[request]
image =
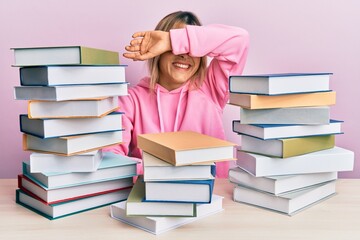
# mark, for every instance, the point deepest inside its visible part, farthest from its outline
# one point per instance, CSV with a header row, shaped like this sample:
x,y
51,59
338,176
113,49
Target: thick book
x,y
70,92
71,75
84,162
158,225
287,147
52,196
300,115
136,206
113,166
191,191
61,127
70,146
282,83
86,108
156,169
278,185
331,160
63,55
64,209
186,147
275,131
253,101
290,203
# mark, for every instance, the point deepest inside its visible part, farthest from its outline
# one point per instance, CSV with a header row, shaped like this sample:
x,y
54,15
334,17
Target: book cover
x,y
252,101
186,147
287,147
63,55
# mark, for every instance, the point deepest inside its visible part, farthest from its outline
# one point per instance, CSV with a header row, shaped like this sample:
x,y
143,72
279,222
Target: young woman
x,y
182,91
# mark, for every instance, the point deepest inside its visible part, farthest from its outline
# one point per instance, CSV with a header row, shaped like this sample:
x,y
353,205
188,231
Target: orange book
x,y
186,147
252,101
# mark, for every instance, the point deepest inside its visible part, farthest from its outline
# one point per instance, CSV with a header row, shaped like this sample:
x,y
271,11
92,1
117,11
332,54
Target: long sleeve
x,y
228,46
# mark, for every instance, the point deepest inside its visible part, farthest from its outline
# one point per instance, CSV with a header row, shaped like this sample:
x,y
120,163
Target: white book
x,y
283,83
156,169
60,127
64,209
73,145
52,196
70,92
299,115
84,162
136,206
113,166
274,131
158,225
72,75
278,185
98,107
290,203
331,160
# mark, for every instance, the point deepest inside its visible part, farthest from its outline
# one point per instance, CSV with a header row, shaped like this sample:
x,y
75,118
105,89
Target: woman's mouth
x,y
181,65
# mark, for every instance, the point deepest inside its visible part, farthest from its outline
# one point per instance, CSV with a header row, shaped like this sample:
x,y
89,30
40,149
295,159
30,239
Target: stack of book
x,y
72,95
288,159
178,181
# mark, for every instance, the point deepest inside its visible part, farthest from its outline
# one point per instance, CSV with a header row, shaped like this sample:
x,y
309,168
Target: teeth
x,y
184,66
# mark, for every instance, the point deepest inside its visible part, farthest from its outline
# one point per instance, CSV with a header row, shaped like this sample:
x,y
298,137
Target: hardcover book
x,y
64,55
71,75
186,147
282,83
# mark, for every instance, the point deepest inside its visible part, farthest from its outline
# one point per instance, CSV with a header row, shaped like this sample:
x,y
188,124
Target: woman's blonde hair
x,y
166,24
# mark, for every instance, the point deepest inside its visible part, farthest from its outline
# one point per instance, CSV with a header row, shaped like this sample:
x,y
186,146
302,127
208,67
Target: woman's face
x,y
175,70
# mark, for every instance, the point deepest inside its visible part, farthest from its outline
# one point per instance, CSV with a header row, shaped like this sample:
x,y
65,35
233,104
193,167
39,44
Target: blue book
x,y
194,191
282,83
113,166
275,131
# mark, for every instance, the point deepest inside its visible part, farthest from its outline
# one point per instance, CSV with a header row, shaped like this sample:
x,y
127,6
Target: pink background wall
x,y
286,36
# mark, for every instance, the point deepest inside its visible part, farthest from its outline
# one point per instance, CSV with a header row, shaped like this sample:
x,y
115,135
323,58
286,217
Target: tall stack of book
x,y
288,159
72,95
177,185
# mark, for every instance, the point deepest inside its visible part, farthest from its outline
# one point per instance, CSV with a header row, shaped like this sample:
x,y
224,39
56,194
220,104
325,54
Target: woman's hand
x,y
146,45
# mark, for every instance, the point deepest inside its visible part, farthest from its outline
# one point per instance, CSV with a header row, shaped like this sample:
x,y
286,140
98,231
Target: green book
x,y
136,206
287,147
64,55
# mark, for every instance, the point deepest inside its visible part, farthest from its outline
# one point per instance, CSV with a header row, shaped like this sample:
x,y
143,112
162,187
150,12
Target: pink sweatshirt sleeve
x,y
228,46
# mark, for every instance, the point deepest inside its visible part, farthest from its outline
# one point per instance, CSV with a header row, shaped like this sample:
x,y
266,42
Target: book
x,y
287,147
63,55
60,127
52,196
282,83
156,169
331,160
192,191
290,203
136,206
274,131
278,185
84,162
86,108
70,92
112,166
64,209
300,115
69,146
253,101
186,147
158,225
71,75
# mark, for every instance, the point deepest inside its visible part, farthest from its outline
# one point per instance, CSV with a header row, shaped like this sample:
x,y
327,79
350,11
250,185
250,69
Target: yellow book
x,y
252,101
64,55
287,147
186,147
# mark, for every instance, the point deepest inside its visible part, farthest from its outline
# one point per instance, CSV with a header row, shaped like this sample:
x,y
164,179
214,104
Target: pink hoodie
x,y
197,110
